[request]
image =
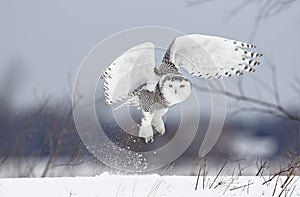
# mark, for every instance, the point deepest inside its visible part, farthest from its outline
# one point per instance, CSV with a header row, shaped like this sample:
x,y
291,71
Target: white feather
x,y
211,56
129,71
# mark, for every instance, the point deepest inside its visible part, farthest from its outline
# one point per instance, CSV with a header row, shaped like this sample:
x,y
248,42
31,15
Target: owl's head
x,y
175,89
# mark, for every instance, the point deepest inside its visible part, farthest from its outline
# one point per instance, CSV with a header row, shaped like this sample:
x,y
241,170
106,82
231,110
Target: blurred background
x,y
44,42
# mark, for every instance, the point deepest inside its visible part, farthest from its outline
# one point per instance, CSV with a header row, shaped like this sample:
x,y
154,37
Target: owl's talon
x,y
161,131
149,139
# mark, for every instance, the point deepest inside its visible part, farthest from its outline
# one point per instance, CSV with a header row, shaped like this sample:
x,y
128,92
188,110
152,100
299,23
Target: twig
x,y
199,172
155,187
169,167
221,169
275,85
59,143
280,172
133,189
248,186
204,172
292,191
271,106
236,10
267,8
260,170
242,186
288,177
259,110
232,180
284,189
193,3
275,186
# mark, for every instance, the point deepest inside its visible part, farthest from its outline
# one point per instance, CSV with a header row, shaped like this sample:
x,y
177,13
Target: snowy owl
x,y
134,79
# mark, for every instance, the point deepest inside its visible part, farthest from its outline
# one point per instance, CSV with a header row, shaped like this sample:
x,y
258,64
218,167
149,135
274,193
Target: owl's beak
x,y
175,91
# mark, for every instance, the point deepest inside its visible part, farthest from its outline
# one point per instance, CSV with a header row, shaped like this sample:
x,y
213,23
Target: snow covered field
x,y
147,185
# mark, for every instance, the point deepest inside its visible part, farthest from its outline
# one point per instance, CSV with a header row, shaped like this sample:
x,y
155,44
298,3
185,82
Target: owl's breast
x,y
151,101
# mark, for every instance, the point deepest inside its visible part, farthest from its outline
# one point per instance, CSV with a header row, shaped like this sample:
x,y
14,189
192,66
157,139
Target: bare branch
x,y
236,10
193,3
221,169
242,186
198,176
261,168
59,143
271,108
266,9
259,110
295,164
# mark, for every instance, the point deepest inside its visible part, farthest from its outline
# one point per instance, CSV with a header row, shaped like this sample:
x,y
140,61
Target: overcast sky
x,y
49,39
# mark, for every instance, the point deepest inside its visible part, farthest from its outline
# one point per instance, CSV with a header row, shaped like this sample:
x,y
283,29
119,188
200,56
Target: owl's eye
x,y
171,86
182,86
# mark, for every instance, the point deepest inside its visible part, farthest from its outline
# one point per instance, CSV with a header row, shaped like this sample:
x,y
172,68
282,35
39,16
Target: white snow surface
x,y
145,185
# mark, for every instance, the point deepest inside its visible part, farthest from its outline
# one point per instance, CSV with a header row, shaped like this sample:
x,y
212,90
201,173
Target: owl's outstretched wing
x,y
128,72
210,56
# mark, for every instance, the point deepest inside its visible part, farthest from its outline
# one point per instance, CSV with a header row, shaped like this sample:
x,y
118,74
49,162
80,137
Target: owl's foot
x,y
149,139
158,122
160,130
146,132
